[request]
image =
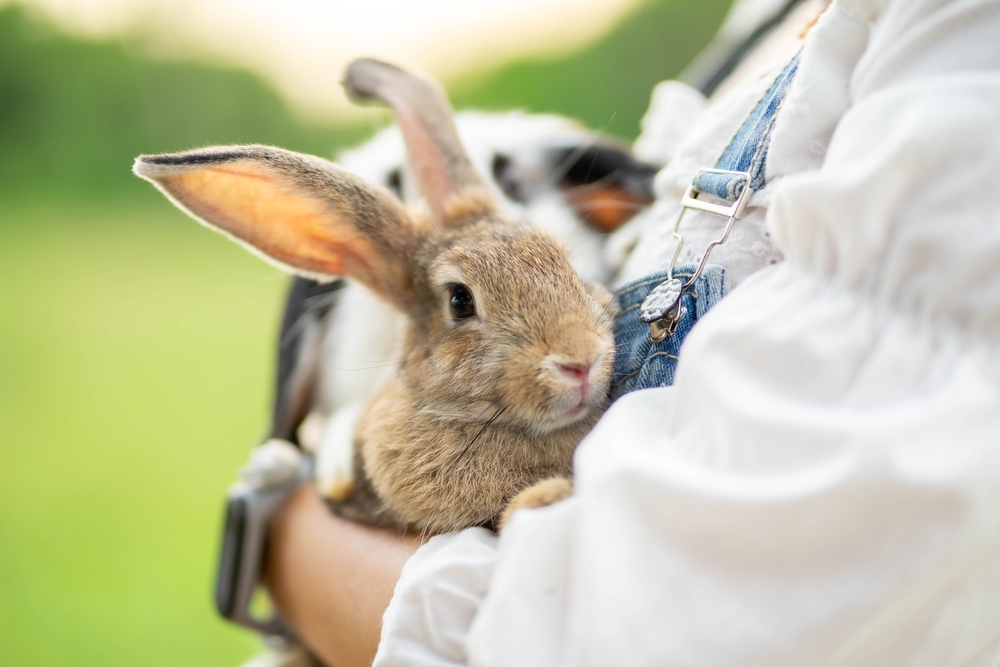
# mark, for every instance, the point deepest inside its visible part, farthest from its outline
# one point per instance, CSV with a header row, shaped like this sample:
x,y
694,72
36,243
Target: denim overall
x,y
642,361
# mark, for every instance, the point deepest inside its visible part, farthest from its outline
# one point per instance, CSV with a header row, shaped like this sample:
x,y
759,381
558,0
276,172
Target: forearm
x,y
332,579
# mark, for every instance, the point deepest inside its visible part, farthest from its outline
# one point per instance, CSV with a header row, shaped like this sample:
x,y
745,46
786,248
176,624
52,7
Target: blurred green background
x,y
136,347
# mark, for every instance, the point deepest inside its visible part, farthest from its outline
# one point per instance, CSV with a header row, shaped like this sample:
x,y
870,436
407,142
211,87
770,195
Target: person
x,y
821,482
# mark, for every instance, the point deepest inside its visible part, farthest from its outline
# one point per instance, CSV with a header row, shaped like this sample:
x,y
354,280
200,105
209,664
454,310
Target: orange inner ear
x,y
259,209
606,207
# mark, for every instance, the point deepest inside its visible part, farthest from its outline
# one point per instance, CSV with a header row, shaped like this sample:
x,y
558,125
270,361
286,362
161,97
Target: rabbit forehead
x,y
512,269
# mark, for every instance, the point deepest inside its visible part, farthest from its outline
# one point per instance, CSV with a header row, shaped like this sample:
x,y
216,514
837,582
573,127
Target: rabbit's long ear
x,y
301,212
451,186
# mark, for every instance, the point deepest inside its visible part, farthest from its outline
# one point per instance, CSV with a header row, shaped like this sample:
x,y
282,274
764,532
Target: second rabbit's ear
x,y
301,212
604,184
451,187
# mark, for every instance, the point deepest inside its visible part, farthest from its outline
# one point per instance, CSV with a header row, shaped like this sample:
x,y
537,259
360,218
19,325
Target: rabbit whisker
x,y
602,182
595,157
563,167
484,410
312,303
579,244
488,423
613,114
322,300
430,220
582,188
294,330
610,203
370,366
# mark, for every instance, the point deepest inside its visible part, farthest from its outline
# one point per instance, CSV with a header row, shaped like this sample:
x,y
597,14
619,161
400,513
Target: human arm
x,y
331,579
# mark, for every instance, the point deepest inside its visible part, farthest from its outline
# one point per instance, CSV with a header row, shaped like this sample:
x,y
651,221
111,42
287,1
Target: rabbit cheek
x,y
455,366
526,393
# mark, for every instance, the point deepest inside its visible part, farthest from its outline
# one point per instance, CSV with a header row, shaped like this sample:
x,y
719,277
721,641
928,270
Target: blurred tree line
x,y
75,113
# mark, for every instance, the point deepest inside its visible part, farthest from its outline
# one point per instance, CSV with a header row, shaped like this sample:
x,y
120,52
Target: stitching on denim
x,y
636,369
660,354
632,328
634,306
643,366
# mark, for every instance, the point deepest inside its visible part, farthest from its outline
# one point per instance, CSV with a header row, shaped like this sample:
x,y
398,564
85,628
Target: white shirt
x,y
821,486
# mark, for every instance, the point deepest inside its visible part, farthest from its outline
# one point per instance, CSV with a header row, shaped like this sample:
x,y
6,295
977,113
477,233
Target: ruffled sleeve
x,y
822,483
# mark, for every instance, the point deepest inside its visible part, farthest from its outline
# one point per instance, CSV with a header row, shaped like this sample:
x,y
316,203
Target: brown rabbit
x,y
507,355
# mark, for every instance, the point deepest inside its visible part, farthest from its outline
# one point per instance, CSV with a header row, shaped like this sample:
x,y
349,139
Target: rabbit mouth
x,y
569,418
574,405
577,388
577,403
578,411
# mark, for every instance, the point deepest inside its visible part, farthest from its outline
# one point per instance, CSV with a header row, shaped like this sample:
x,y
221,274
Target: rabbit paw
x,y
335,457
272,464
539,494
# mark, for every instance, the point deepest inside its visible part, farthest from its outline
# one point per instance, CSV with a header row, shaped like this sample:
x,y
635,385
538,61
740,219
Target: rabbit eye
x,y
462,304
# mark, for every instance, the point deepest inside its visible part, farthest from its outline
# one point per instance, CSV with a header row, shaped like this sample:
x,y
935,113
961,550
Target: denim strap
x,y
738,173
747,152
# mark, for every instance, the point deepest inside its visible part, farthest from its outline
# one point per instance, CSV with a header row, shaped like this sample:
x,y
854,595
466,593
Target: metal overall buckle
x,y
662,309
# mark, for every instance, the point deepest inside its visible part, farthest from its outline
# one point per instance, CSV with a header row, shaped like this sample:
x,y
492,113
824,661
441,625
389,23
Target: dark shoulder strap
x,y
299,342
719,59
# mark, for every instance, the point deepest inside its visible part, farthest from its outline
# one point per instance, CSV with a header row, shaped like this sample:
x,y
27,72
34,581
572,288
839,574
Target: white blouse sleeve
x,y
821,486
437,596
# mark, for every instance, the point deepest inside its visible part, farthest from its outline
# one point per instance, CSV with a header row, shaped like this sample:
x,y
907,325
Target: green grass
x,y
135,366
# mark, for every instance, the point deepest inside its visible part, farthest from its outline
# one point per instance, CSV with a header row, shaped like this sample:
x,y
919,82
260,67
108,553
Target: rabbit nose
x,y
577,372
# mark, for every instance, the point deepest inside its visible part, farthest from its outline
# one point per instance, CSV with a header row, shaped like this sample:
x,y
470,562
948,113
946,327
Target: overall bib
x,y
659,310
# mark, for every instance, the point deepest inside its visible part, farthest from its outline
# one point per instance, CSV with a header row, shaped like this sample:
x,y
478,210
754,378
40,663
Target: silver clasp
x,y
662,309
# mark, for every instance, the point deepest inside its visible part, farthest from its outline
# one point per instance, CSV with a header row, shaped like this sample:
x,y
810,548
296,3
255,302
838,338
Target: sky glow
x,y
302,46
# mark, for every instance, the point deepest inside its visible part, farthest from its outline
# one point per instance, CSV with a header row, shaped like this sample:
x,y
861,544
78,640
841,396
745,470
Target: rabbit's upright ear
x,y
301,212
450,185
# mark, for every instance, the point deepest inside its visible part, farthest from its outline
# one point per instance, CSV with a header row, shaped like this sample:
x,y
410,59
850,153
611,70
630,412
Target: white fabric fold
x,y
437,595
821,486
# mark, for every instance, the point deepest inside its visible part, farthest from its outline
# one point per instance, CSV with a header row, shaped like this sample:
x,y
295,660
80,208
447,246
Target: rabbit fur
x,y
518,155
475,402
